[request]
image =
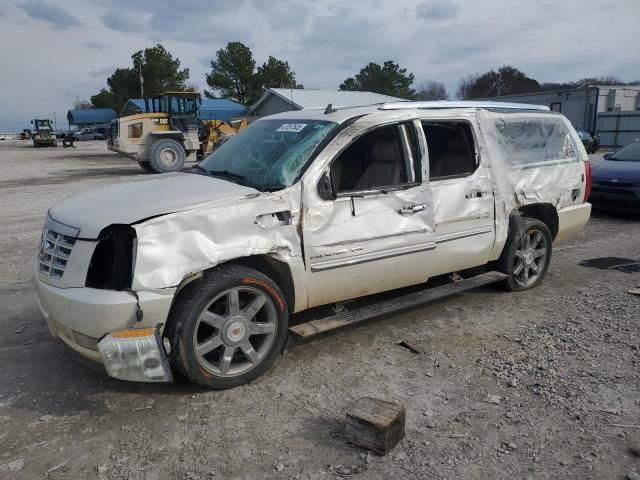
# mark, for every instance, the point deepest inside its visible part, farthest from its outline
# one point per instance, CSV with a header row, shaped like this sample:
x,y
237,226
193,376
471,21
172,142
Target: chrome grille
x,y
55,249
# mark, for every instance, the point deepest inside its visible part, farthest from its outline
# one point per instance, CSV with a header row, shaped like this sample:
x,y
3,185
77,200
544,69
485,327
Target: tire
x,y
166,156
203,316
594,148
525,263
146,166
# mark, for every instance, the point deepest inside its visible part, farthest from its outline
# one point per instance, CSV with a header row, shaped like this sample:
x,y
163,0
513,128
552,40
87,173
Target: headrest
x,y
385,151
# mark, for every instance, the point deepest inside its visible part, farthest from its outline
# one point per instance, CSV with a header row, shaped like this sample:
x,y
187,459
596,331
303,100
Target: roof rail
x,y
462,104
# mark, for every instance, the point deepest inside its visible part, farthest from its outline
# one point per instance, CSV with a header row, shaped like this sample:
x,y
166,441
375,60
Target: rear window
x,y
535,140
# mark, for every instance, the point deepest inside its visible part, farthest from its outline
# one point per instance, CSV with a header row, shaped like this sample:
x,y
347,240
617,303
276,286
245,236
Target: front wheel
x,y
526,254
166,156
146,166
227,328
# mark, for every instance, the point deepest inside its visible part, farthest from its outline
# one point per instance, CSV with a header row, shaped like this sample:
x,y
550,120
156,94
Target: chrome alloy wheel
x,y
235,331
530,258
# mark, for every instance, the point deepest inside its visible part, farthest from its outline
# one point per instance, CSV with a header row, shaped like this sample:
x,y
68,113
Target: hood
x,y
130,202
616,169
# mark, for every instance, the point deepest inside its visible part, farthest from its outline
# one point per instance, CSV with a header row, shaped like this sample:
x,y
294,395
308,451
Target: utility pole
x,y
55,122
141,80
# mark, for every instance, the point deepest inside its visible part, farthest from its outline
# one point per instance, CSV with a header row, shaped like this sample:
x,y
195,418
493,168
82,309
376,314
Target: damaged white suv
x,y
208,271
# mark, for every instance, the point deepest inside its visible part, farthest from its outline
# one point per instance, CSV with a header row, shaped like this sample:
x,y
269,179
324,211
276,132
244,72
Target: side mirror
x,y
607,156
31,122
325,187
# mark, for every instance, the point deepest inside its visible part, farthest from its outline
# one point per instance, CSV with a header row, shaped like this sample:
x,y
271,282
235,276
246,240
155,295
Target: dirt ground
x,y
530,385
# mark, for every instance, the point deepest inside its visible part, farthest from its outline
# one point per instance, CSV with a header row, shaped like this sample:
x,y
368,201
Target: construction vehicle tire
x,y
146,166
166,155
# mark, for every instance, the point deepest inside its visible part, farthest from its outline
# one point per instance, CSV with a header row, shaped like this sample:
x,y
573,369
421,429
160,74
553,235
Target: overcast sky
x,y
56,50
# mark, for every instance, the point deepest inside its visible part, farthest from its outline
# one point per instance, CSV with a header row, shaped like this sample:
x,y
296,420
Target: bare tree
x,y
431,90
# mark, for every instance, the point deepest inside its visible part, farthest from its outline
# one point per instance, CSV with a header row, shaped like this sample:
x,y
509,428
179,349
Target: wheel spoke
x,y
536,240
234,302
526,274
212,319
210,344
262,328
534,267
254,307
249,351
519,254
225,360
540,253
518,269
528,241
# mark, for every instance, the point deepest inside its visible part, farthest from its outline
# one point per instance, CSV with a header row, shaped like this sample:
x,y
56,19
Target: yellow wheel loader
x,y
162,138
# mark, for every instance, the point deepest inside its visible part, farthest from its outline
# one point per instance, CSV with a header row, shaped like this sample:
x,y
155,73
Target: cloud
x,y
121,22
54,15
102,72
95,45
438,10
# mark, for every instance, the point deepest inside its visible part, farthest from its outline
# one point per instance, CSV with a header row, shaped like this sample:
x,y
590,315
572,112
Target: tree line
x,y
235,74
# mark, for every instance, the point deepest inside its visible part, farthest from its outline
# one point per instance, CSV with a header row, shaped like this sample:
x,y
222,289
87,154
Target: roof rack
x,y
462,104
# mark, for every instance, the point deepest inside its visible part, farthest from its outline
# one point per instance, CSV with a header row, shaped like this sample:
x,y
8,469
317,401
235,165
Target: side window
x,y
375,160
536,139
451,149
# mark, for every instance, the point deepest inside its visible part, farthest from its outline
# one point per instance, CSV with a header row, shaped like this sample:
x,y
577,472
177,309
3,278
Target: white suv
x,y
207,271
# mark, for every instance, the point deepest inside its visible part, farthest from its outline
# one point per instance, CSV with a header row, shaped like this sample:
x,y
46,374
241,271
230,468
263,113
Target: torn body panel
x,y
173,247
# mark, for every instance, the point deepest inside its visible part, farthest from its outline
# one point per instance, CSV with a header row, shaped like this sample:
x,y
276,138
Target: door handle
x,y
476,194
412,209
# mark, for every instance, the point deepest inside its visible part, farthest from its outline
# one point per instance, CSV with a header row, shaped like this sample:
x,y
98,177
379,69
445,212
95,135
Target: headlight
x,y
136,355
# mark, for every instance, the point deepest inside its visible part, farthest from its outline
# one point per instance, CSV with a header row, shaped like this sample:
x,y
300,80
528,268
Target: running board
x,y
344,318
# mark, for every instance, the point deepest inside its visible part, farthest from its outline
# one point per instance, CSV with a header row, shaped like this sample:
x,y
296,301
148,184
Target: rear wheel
x,y
166,156
227,328
526,255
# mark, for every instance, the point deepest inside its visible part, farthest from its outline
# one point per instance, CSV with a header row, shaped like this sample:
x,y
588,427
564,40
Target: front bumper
x,y
619,199
80,317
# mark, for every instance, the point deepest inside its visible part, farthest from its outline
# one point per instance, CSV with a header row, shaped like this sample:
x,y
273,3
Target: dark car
x,y
590,141
616,181
91,133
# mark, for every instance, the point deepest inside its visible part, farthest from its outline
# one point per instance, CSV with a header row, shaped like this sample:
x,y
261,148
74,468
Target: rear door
x,y
463,195
378,233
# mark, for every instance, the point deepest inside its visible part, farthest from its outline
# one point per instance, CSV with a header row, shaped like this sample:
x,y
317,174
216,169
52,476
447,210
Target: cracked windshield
x,y
270,154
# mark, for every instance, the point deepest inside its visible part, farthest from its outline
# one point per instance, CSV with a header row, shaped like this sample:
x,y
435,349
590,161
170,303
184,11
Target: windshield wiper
x,y
227,174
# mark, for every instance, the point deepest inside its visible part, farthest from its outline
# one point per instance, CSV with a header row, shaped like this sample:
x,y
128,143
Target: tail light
x,y
587,180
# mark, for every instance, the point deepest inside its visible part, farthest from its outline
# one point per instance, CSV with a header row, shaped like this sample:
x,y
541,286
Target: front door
x,y
377,234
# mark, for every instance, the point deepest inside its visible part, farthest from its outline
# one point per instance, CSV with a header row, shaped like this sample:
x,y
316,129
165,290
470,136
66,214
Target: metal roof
x,y
302,99
210,109
85,116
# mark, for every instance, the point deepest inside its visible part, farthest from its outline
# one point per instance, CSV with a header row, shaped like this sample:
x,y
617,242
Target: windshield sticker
x,y
292,127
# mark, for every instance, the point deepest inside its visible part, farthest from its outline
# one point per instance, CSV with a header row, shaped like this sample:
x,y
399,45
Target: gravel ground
x,y
528,385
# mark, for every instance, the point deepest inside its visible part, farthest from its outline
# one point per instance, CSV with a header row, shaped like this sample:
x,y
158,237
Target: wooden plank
x,y
375,424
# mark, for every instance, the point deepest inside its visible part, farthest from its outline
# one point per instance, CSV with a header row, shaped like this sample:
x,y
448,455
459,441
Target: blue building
x,y
87,117
210,109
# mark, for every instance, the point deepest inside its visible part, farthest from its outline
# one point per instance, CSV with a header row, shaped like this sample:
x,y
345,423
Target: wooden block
x,y
375,424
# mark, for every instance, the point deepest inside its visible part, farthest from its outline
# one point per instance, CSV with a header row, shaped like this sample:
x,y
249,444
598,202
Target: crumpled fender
x,y
173,247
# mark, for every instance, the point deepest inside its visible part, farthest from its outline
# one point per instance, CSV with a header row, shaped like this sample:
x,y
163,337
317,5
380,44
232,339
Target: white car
x,y
208,272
